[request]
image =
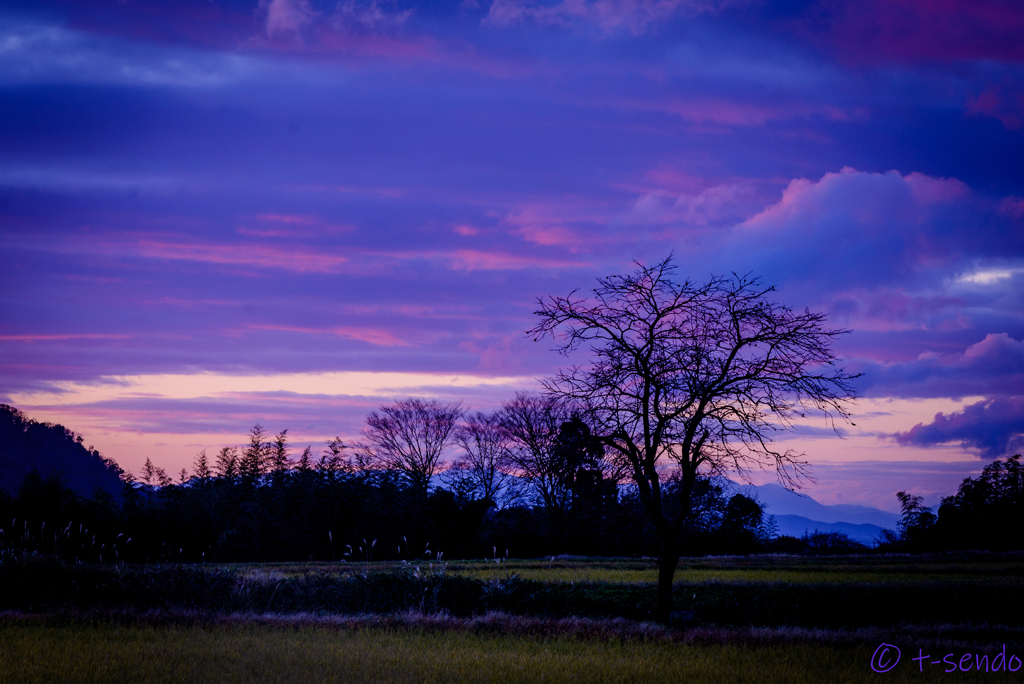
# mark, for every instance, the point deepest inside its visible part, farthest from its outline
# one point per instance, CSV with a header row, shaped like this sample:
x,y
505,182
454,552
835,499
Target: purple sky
x,y
214,212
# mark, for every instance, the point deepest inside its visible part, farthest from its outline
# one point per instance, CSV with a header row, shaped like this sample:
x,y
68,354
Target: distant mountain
x,y
781,501
798,526
27,445
797,513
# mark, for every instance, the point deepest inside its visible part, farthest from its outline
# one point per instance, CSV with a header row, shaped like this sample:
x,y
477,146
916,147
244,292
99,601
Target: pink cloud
x,y
286,16
375,336
300,259
742,114
549,235
995,427
1005,104
560,223
405,310
287,218
1012,206
806,202
468,260
474,260
931,190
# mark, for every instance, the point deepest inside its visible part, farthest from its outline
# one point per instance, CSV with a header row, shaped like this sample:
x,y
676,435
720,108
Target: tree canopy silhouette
x,y
699,376
410,436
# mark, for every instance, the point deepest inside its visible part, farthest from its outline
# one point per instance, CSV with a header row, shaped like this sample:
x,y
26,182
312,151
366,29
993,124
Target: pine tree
x,y
306,460
227,462
279,453
201,468
254,460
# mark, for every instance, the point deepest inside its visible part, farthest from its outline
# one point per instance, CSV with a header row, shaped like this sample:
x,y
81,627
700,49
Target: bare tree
x,y
531,422
410,436
698,377
482,470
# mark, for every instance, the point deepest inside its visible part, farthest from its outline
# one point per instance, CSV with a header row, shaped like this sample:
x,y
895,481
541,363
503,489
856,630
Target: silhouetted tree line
x,y
985,513
530,481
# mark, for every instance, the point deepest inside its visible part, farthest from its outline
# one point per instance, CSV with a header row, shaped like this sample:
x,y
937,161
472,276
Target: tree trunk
x,y
666,572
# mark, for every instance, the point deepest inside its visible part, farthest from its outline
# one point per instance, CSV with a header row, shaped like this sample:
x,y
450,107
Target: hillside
x,y
26,444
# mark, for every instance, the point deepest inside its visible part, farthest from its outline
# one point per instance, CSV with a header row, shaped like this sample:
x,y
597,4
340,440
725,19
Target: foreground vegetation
x,y
754,619
760,591
37,651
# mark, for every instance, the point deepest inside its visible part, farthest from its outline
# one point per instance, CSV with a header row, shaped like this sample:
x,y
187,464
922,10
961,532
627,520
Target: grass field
x,y
33,651
823,618
768,591
987,568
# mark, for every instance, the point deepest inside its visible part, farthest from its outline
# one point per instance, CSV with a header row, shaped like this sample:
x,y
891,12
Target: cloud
x,y
369,17
1004,104
299,258
883,251
717,205
1012,206
858,227
874,31
40,53
572,225
371,335
632,16
733,111
994,427
286,16
476,260
60,338
549,235
992,366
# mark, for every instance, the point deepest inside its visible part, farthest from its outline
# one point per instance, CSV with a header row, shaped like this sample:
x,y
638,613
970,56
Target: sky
x,y
221,212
